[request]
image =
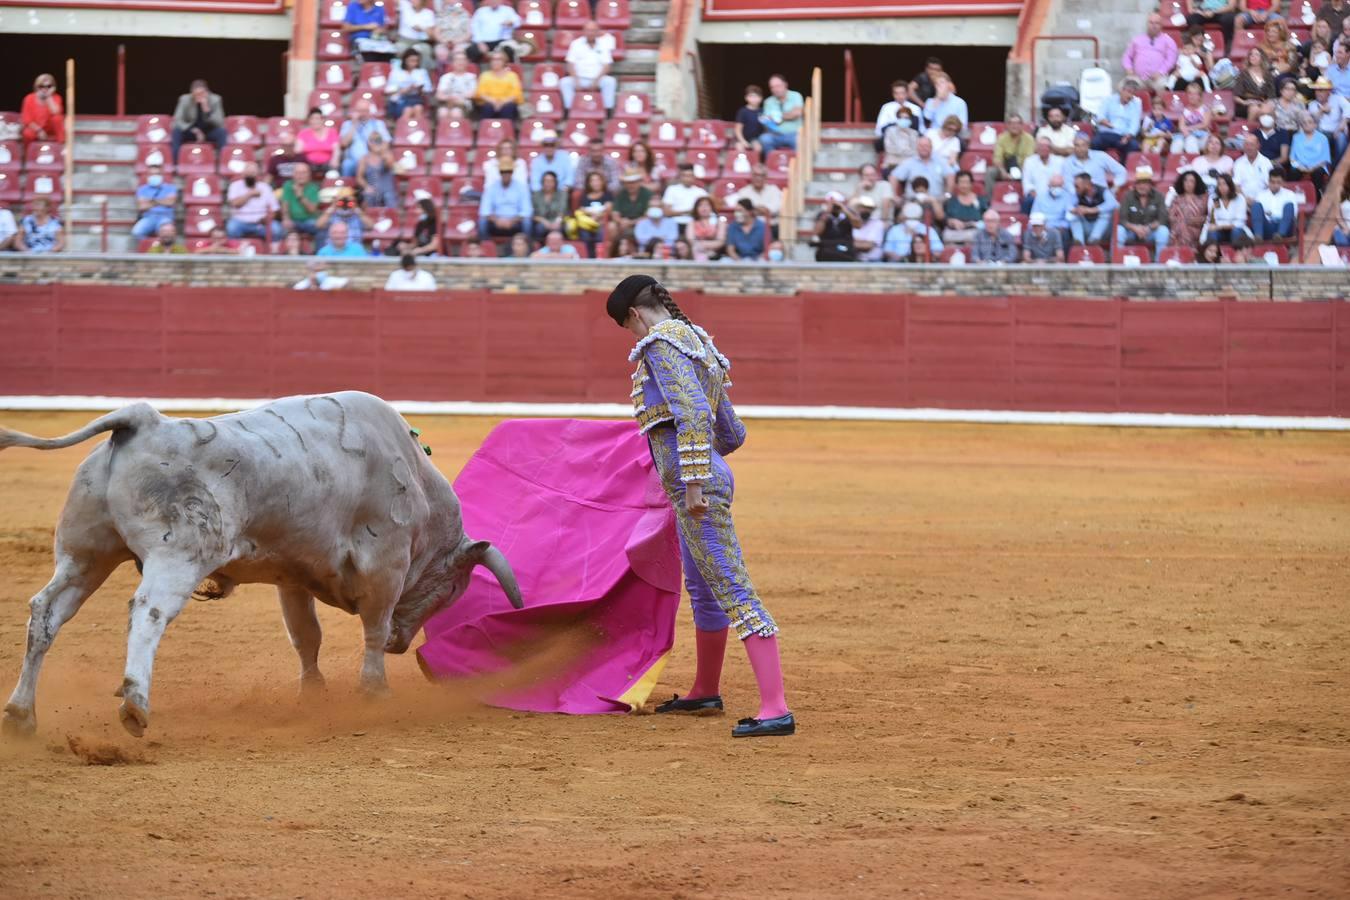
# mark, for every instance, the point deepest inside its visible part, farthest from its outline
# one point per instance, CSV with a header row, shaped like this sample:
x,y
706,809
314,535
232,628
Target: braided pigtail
x,y
663,296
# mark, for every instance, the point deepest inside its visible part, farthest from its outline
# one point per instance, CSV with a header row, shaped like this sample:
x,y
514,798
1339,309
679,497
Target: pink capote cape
x,y
578,510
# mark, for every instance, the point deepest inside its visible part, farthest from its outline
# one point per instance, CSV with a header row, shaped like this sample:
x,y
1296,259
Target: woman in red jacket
x,y
44,117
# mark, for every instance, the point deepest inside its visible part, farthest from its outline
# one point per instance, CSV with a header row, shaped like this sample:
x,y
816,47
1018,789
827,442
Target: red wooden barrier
x,y
1023,353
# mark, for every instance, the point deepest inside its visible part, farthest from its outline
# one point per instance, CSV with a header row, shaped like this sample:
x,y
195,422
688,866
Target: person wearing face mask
x,y
910,239
746,235
656,226
1274,141
253,208
899,109
155,201
834,229
1054,203
871,234
776,252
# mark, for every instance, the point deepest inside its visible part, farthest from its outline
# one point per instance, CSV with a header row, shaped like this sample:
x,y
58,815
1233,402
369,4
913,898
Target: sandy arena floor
x,y
1027,662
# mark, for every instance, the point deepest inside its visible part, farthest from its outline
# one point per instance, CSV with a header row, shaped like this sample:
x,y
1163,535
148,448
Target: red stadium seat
x,y
1139,158
1176,256
200,220
326,101
777,164
491,132
465,191
664,162
572,14
562,40
432,188
622,133
546,76
724,186
333,46
461,223
10,190
334,76
1086,256
234,158
586,105
976,163
984,135
332,14
387,224
706,163
373,76
334,183
249,246
243,130
148,155
956,256
203,190
1132,255
613,15
537,40
739,163
1007,197
454,133
669,135
45,157
547,104
1244,41
535,13
1309,194
43,184
533,130
577,133
154,129
449,162
633,105
410,161
709,134
374,98
281,130
197,159
413,132
11,155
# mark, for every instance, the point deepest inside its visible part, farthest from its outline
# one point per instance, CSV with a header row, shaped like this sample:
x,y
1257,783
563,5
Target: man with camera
x,y
344,211
834,230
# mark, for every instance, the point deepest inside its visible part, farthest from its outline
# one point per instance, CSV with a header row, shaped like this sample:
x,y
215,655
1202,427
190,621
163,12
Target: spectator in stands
x,y
549,205
1338,71
640,155
1289,107
300,202
1332,113
870,185
589,59
493,22
1151,55
899,143
417,31
200,117
1036,172
1120,121
679,199
924,85
1011,149
706,231
1041,244
363,19
776,252
345,211
166,240
40,231
1143,217
43,115
1215,12
1187,211
993,243
1194,61
1090,216
318,143
1156,134
1251,171
499,92
748,127
554,246
1255,13
1275,212
1193,122
408,277
1310,154
1227,219
1254,90
899,111
747,235
946,141
1054,203
408,87
456,88
1057,131
682,250
963,211
1316,51
925,163
834,230
632,201
655,227
591,215
597,160
908,233
868,237
341,242
472,249
156,201
1279,49
945,104
218,244
9,228
507,158
551,159
782,117
1100,166
1340,236
454,26
253,207
355,136
1212,163
426,239
1274,141
919,193
318,279
505,208
375,175
1334,12
765,197
622,246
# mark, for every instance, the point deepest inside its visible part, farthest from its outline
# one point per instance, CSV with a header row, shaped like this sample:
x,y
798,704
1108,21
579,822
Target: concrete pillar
x,y
300,72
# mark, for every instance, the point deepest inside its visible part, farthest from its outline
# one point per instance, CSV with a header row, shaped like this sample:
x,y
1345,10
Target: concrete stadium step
x,y
844,156
114,179
91,241
645,7
87,208
840,132
88,150
106,125
644,33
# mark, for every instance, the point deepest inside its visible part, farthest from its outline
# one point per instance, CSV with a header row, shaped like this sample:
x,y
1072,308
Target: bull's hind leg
x,y
53,606
166,585
297,608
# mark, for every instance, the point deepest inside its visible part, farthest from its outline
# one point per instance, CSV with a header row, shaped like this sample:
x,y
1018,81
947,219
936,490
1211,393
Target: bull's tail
x,y
482,553
129,418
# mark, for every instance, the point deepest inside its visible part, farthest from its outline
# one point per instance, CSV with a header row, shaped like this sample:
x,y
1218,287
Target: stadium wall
x,y
809,349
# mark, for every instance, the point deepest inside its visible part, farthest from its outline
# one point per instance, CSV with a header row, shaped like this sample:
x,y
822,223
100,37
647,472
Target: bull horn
x,y
492,559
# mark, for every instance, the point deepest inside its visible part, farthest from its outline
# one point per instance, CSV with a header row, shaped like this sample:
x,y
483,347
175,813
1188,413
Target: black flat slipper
x,y
697,705
783,725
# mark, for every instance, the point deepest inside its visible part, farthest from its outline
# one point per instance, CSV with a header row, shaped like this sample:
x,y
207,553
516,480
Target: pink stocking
x,y
710,649
763,653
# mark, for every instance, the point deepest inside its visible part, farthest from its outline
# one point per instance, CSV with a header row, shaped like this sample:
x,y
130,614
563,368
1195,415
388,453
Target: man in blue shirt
x,y
1333,114
339,244
505,208
155,201
1099,165
746,236
1091,211
1338,70
1118,125
355,136
363,17
782,117
551,160
1054,203
945,103
655,227
1310,153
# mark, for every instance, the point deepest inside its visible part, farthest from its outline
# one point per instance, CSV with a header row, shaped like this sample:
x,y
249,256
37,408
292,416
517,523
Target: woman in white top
x,y
1227,220
506,155
946,141
454,92
407,88
1210,164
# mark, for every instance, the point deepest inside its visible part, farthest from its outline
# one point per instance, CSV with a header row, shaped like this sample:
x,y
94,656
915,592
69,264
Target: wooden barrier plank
x,y
110,340
537,347
431,346
324,342
28,339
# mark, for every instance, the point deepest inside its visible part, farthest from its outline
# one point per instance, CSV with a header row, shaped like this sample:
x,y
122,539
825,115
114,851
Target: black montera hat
x,y
622,297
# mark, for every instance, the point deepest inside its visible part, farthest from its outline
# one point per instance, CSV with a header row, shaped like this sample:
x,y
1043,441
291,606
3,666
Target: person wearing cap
x,y
1100,166
1310,153
632,201
551,159
655,226
834,230
993,243
1143,215
589,59
869,237
1041,244
1121,118
1275,211
680,401
1333,117
680,197
747,236
911,239
1090,216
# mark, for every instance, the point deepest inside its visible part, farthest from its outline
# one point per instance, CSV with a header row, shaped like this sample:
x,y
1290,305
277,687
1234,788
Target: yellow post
x,y
70,138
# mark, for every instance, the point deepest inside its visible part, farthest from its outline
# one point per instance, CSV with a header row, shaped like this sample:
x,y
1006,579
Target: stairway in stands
x,y
843,148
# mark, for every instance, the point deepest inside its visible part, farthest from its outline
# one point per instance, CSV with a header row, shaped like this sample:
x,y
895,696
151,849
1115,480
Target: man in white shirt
x,y
1275,210
1057,131
588,62
407,277
680,197
1037,169
493,22
899,108
1251,170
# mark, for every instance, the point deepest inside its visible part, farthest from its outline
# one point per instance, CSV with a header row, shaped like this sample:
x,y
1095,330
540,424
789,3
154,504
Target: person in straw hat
x,y
1332,112
1143,216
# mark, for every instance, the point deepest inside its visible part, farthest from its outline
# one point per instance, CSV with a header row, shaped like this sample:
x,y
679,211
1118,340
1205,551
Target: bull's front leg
x,y
166,585
377,613
297,609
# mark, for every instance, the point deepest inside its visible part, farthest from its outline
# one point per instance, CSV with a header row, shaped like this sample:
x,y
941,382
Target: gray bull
x,y
328,496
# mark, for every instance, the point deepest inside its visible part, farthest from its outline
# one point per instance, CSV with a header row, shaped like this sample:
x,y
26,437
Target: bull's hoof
x,y
18,723
135,717
373,689
312,684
